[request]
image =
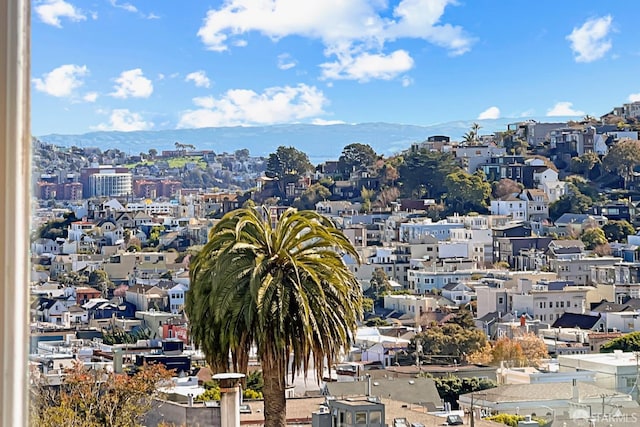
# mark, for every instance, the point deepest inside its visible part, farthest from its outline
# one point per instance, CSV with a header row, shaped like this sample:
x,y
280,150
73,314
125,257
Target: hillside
x,y
319,142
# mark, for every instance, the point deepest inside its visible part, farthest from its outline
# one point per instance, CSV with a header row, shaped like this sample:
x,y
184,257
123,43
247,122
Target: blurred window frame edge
x,y
15,212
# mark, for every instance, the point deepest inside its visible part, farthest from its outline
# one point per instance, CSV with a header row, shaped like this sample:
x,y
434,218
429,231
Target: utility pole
x,y
471,416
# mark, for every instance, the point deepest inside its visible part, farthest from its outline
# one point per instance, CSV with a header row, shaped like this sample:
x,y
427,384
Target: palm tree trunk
x,y
275,405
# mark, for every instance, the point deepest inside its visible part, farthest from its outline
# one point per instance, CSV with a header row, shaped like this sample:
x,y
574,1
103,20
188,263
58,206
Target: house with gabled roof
x,y
579,320
570,224
146,297
458,292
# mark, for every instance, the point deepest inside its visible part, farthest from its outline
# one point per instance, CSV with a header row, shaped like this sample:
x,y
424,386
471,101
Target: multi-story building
x,y
577,269
533,132
109,182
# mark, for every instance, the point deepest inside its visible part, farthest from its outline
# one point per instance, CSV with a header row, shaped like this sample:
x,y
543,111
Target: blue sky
x,y
153,65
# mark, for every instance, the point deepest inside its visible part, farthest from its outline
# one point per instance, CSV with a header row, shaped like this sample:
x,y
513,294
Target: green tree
x,y
593,237
511,420
312,195
367,305
464,318
587,165
379,282
422,173
287,165
154,235
450,339
100,279
627,342
451,387
623,158
572,202
467,192
356,156
617,231
285,288
366,195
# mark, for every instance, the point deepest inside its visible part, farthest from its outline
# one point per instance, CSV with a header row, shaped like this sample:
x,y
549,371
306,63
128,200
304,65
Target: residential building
x,y
106,181
459,293
616,371
577,269
423,281
416,232
177,298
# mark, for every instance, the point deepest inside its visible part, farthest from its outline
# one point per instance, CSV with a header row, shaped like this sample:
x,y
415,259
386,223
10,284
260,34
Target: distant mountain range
x,y
319,142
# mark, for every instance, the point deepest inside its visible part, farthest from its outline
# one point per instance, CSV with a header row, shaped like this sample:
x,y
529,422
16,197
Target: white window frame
x,y
15,213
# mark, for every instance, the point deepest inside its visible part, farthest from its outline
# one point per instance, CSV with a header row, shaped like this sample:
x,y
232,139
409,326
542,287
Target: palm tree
x,y
284,289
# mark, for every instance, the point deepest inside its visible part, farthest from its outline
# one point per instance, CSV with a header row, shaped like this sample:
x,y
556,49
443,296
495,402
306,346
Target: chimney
x,y
117,360
229,398
368,392
574,388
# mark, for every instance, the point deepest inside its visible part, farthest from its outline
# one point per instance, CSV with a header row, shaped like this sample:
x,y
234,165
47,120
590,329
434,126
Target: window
x,y
375,417
361,418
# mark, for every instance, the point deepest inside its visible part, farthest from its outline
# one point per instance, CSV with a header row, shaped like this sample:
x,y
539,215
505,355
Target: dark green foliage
x,y
450,388
423,173
356,156
56,228
627,342
467,192
449,339
572,202
593,237
287,165
116,335
512,419
377,321
255,381
312,195
464,318
618,230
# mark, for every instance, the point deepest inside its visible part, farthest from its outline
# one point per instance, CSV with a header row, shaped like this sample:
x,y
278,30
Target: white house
x,y
479,242
177,298
459,293
510,206
554,189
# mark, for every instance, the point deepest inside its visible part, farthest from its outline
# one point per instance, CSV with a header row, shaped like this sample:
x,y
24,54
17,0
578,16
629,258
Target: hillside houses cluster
x,y
122,264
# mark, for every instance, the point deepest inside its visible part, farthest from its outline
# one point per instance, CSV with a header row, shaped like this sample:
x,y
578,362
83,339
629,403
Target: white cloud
x,y
361,26
125,121
245,107
564,109
204,101
589,42
90,96
634,97
199,78
406,81
285,61
51,11
153,16
366,66
132,83
61,81
322,122
490,113
126,6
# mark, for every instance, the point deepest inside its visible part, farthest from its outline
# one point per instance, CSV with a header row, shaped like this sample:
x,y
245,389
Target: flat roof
x,y
614,359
